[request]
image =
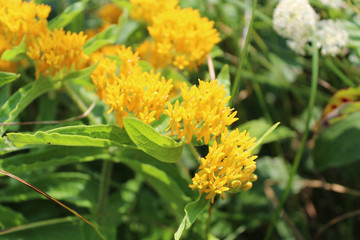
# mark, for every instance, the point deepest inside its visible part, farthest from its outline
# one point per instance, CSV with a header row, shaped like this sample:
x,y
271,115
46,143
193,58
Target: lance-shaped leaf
x,y
23,97
89,136
68,15
192,212
51,157
6,77
153,143
15,52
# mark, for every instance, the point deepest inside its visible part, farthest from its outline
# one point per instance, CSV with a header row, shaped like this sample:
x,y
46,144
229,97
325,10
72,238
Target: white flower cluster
x,y
296,20
331,37
333,3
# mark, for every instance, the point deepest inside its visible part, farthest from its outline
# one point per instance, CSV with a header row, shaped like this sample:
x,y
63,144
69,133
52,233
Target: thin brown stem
x,y
335,221
52,199
53,122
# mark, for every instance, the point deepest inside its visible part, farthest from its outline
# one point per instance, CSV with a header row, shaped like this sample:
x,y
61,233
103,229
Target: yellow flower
x,y
53,51
203,112
182,37
148,52
131,90
110,13
229,166
146,9
19,18
141,93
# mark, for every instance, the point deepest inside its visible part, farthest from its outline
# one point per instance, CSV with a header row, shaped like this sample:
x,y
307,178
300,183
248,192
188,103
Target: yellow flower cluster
x,y
18,19
110,14
203,112
228,166
181,37
52,51
145,10
131,91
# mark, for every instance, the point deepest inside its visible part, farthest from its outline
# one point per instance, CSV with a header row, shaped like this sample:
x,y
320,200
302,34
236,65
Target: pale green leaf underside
x,y
90,136
153,143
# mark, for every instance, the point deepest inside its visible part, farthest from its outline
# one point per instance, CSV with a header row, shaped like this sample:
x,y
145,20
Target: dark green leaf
x,y
166,186
7,78
339,144
153,143
94,136
10,218
192,212
106,37
75,187
51,157
68,15
23,97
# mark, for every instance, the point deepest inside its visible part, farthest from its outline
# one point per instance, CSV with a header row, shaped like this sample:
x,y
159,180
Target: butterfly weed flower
x,y
52,51
228,167
182,37
110,13
130,91
331,36
147,51
203,113
145,10
19,18
295,20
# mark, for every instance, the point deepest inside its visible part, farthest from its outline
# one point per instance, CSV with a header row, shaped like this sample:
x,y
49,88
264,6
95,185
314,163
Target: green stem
x,y
36,225
243,53
194,152
79,103
264,108
314,78
104,187
208,221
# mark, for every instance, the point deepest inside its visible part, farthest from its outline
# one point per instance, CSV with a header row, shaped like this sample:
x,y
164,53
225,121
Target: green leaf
x,y
68,15
267,133
23,97
123,4
257,128
90,136
81,74
106,37
10,218
77,188
6,77
52,157
58,229
224,78
153,143
192,212
15,52
339,144
161,178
